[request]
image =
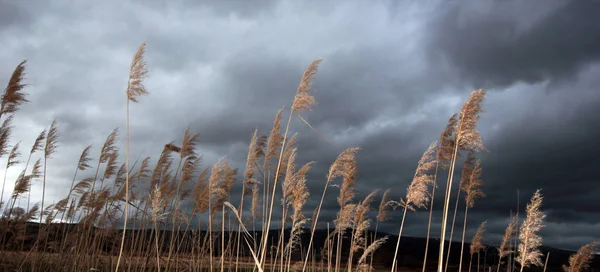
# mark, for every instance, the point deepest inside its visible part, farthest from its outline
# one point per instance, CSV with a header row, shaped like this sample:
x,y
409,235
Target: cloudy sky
x,y
393,72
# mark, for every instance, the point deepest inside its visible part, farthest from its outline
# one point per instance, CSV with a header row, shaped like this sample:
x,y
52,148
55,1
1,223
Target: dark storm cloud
x,y
224,68
498,43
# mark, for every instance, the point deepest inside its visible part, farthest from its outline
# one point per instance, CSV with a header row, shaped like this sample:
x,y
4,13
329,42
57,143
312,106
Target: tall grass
x,y
177,215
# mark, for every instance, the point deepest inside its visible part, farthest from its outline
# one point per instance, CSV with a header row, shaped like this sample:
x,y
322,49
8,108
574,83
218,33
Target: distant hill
x,y
410,255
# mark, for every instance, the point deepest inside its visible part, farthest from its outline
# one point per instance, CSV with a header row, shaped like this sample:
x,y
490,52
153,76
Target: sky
x,y
392,74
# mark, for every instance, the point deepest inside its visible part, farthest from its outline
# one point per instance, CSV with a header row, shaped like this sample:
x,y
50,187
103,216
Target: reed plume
x,y
200,191
530,241
247,185
382,216
49,149
82,165
466,138
23,183
506,247
5,132
12,160
187,154
37,146
158,204
137,72
581,260
345,167
302,102
219,186
274,141
362,266
298,196
254,153
273,144
288,163
135,88
471,186
477,244
13,97
361,224
383,209
465,177
417,193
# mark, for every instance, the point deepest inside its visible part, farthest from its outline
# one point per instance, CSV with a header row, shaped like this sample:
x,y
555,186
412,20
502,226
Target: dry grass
x,y
166,234
530,240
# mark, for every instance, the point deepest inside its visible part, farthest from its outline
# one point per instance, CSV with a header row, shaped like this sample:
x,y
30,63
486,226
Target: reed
x,y
530,240
471,186
506,247
580,261
477,244
417,193
466,138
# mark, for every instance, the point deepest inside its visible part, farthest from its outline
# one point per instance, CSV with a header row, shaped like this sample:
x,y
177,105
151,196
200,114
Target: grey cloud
x,y
13,13
496,44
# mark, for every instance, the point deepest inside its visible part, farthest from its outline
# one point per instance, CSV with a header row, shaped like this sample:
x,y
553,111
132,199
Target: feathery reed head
x,y
37,145
111,165
370,250
467,170
343,162
37,169
344,166
13,156
200,192
137,72
288,182
251,159
446,146
5,132
477,242
581,260
51,140
109,146
417,194
144,171
528,250
287,152
188,145
383,211
345,217
255,202
158,203
220,183
300,193
303,101
506,244
468,138
13,97
473,185
362,222
190,165
84,159
21,185
274,141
